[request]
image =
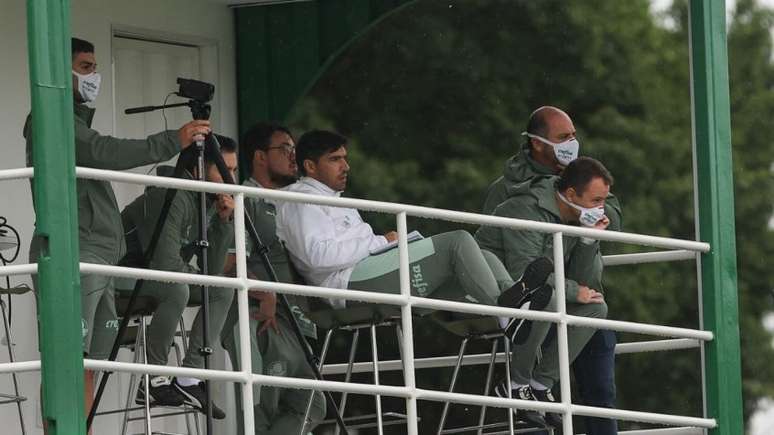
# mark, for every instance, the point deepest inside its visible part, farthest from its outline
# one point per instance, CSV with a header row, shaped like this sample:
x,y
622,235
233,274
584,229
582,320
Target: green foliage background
x,y
435,96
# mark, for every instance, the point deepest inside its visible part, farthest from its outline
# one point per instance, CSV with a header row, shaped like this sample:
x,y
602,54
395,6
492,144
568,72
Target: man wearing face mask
x,y
551,144
101,238
576,197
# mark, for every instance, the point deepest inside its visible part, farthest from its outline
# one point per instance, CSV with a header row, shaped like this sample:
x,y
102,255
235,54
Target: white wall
x,y
206,21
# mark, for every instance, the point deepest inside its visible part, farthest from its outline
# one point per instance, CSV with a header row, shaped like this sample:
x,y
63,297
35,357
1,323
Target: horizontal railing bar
x,y
640,328
19,269
665,431
385,390
657,346
20,366
484,358
382,298
394,208
615,325
643,417
619,414
648,257
15,174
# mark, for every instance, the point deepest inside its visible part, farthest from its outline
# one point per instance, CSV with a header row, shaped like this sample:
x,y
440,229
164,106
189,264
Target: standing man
x,y
177,245
270,153
100,234
577,197
551,144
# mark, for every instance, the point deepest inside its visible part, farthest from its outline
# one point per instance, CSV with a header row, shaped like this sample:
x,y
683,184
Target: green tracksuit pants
x,y
99,322
172,299
277,411
524,365
445,266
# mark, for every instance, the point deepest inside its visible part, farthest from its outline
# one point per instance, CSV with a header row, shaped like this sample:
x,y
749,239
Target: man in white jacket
x,y
332,246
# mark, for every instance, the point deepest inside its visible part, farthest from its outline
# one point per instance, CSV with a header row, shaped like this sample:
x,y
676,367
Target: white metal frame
x,y
678,250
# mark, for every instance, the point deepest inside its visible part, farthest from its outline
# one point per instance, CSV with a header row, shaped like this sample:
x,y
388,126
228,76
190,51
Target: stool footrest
x,y
362,421
518,427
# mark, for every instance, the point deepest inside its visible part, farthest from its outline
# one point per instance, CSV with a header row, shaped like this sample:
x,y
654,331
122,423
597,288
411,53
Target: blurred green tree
x,y
434,99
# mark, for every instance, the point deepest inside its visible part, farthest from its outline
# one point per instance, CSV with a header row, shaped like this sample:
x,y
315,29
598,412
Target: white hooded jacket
x,y
325,243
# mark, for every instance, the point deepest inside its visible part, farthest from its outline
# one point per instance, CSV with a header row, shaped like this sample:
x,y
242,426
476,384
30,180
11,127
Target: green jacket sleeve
x,y
167,255
106,152
585,265
522,247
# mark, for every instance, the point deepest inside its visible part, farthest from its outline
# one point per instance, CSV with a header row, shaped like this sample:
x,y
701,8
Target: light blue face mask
x,y
588,216
565,152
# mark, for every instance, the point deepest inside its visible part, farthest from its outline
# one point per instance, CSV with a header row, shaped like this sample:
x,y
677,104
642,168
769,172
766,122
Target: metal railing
x,y
678,250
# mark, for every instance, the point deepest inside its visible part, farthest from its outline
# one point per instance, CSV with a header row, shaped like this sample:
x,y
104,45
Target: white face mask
x,y
565,152
88,85
588,216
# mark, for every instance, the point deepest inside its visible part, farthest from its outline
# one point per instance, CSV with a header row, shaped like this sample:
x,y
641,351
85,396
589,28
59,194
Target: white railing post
x,y
407,325
561,332
245,358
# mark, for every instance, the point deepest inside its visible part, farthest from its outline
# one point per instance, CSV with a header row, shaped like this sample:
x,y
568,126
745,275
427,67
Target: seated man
x,y
269,151
576,197
174,251
551,144
332,246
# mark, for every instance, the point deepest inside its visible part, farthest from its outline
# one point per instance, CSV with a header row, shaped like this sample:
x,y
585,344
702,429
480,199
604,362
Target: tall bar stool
x,y
476,327
357,317
10,242
135,340
15,397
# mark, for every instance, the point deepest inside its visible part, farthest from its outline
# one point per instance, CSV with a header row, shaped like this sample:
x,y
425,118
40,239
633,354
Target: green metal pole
x,y
59,296
715,211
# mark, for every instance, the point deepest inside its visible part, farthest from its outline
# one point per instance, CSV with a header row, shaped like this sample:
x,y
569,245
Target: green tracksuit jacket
x,y
522,167
99,221
535,200
174,249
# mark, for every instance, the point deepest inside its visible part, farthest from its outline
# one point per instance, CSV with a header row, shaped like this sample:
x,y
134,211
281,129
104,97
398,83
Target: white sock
x,y
537,385
504,321
187,382
515,385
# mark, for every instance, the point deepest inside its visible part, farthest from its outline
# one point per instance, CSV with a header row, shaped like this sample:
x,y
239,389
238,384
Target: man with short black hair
x,y
269,151
334,247
576,197
550,145
100,233
177,245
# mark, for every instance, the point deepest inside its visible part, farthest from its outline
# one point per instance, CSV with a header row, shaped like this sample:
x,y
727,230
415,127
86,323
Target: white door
x,y
145,73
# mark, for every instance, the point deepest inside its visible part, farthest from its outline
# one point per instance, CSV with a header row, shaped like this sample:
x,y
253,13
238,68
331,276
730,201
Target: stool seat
x,y
143,305
17,290
466,325
353,314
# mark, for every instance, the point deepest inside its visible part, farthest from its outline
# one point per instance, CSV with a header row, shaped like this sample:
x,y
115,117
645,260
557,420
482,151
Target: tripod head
x,y
199,94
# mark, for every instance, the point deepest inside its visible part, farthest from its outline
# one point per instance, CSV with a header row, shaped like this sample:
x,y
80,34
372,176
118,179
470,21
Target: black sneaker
x,y
534,277
524,393
195,396
554,420
162,393
518,329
